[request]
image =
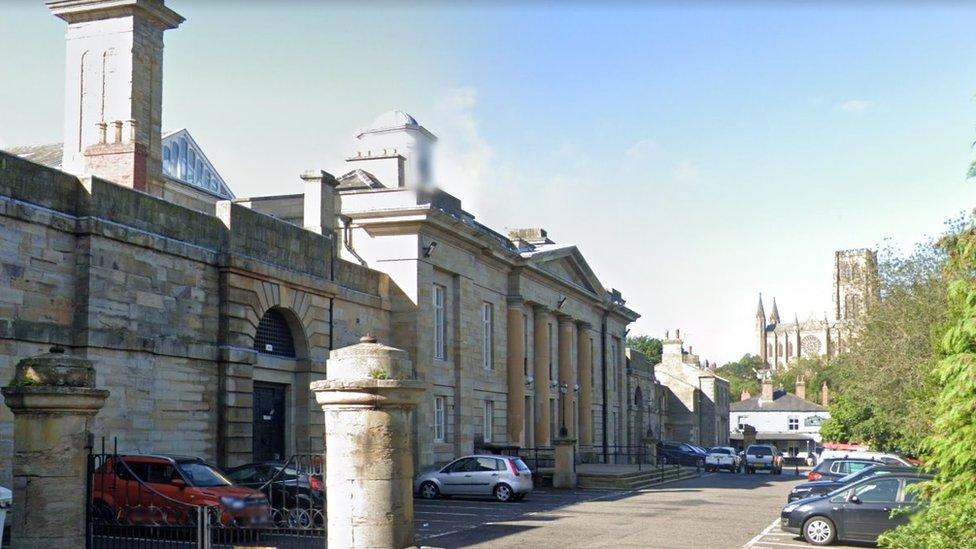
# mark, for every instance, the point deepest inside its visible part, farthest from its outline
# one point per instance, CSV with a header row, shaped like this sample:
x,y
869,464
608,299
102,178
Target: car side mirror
x,y
854,499
178,482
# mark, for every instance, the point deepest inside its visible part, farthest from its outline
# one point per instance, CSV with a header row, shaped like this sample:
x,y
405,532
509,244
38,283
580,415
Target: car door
x,y
486,475
456,477
868,510
906,501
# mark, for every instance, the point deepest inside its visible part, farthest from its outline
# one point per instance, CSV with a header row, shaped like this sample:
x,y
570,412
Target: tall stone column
x,y
516,372
567,380
54,401
368,400
542,390
584,360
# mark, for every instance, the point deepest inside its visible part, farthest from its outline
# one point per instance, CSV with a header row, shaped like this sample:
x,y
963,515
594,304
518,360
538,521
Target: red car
x,y
167,490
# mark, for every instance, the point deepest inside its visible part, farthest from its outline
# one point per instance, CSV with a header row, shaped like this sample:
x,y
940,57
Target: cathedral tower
x,y
855,282
761,331
113,88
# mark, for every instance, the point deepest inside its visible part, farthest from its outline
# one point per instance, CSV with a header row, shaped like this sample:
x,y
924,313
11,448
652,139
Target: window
x,y
793,423
440,419
878,491
489,419
552,352
525,344
487,329
910,494
440,330
273,336
742,421
613,368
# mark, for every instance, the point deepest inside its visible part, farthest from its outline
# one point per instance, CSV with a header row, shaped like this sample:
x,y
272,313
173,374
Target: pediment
x,y
185,162
569,265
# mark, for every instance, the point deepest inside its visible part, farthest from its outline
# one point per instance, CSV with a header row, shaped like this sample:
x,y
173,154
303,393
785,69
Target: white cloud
x,y
641,148
463,155
856,106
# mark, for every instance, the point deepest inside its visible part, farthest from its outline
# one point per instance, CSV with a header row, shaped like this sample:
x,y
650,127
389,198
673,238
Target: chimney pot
x,y
118,130
801,388
767,390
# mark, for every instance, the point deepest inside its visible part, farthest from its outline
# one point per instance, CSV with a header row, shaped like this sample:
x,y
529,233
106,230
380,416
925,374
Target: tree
x,y
741,374
648,346
949,518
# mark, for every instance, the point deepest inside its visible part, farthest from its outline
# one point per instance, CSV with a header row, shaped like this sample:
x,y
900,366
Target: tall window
x,y
440,329
552,375
794,423
440,419
489,419
487,329
525,344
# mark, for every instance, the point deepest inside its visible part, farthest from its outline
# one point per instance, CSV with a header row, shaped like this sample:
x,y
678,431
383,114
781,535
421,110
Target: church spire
x,y
774,316
760,312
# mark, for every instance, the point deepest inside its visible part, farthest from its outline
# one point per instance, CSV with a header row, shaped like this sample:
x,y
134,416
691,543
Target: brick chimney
x,y
745,395
801,388
767,390
824,395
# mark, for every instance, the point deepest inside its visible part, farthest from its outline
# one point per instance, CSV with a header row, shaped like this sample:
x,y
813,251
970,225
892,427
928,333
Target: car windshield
x,y
857,474
520,465
202,475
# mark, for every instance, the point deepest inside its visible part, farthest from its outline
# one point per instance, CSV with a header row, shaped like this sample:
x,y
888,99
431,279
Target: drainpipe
x,y
603,362
347,238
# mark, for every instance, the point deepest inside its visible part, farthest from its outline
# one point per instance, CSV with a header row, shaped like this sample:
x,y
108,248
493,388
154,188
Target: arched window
x,y
638,398
274,335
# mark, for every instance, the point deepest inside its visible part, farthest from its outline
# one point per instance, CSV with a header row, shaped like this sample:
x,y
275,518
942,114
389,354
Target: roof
x,y
358,179
49,154
784,402
393,119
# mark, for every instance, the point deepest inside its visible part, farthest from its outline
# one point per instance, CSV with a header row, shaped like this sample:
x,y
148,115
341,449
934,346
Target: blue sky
x,y
698,154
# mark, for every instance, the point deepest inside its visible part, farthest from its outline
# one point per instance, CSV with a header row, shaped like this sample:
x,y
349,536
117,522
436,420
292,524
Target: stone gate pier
x,y
54,401
368,399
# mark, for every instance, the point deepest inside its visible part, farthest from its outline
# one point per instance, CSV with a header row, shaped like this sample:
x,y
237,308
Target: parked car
x,y
821,487
887,459
763,457
288,488
506,478
679,453
829,469
860,512
722,457
140,489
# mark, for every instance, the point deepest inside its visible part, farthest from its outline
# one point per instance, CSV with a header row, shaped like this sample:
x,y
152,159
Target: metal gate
x,y
138,501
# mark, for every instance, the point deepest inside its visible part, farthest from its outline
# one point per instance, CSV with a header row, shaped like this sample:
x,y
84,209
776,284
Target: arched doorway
x,y
279,403
638,415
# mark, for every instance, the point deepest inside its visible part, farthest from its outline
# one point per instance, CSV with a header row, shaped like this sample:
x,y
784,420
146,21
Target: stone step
x,y
636,480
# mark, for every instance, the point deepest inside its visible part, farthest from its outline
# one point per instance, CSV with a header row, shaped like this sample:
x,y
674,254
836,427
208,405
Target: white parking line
x,y
759,536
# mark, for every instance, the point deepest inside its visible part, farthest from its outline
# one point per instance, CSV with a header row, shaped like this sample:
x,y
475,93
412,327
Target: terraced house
x,y
207,314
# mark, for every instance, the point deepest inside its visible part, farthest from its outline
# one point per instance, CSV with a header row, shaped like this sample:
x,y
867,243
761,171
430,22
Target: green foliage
x,y
648,346
741,375
815,372
949,519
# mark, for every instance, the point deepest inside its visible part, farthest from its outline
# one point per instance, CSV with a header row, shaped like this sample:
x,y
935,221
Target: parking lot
x,y
715,510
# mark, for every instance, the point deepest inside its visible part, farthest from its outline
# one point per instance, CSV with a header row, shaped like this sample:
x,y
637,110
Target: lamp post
x,y
563,390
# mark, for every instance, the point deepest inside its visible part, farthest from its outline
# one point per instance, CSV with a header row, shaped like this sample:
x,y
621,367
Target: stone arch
x,y
638,398
267,332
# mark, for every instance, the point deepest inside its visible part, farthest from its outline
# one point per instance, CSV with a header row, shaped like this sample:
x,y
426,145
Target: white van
x,y
887,459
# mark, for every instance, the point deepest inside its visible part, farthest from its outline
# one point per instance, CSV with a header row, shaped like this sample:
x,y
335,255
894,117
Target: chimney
x,y
677,334
114,60
321,206
745,394
767,390
824,395
801,388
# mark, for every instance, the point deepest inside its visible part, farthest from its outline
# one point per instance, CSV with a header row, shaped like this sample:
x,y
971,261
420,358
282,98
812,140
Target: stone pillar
x,y
319,204
567,380
541,364
516,372
368,400
583,359
564,475
54,401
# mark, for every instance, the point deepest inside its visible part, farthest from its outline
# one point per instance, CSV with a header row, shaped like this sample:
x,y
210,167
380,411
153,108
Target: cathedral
x,y
855,284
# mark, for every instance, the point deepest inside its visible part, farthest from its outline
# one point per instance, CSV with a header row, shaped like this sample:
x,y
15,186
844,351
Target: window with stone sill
x,y
487,332
489,420
440,328
440,419
793,423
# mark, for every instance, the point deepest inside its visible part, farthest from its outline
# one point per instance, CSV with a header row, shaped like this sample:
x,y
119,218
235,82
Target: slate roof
x,y
358,179
783,402
49,154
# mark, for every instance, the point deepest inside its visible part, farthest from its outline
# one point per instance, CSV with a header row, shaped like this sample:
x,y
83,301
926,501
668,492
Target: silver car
x,y
506,478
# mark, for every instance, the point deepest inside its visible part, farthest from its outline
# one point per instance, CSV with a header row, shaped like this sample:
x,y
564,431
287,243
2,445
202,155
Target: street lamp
x,y
563,389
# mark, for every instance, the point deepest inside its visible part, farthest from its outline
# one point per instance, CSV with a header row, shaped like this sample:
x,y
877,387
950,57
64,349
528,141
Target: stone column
x,y
516,373
54,401
368,400
564,475
566,377
541,363
583,358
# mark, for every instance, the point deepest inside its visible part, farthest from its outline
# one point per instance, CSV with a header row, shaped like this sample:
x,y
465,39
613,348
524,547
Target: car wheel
x,y
429,490
503,493
819,531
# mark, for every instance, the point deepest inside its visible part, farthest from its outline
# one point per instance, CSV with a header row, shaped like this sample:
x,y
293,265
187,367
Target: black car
x,y
857,512
679,453
834,468
821,487
296,492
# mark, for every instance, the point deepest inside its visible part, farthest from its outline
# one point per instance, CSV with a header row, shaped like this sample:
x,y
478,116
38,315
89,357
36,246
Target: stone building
x,y
855,285
645,401
695,399
207,315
